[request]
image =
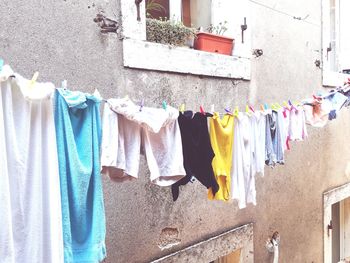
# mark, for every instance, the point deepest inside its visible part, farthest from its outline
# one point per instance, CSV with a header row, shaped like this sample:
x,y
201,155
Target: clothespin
x,y
251,108
278,105
1,64
33,80
292,107
247,111
141,104
228,111
182,108
262,107
64,84
164,105
201,109
266,107
212,108
236,111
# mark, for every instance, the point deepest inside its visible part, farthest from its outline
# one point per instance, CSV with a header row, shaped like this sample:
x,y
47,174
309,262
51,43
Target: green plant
x,y
153,5
220,29
168,32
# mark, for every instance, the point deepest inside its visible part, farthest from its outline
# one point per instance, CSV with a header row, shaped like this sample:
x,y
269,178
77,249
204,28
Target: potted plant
x,y
214,41
169,32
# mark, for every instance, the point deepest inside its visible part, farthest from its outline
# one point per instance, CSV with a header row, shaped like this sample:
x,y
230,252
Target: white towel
x,y
30,221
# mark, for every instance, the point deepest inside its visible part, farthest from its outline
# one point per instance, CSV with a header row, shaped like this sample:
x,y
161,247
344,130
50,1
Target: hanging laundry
x,y
275,138
258,130
78,130
197,152
30,202
346,92
121,144
316,112
297,130
154,130
336,101
221,137
247,157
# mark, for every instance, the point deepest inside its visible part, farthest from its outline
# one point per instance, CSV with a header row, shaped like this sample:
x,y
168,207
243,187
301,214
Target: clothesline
x,y
248,108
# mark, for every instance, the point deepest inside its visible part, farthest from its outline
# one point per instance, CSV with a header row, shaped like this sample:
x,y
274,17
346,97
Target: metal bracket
x,y
244,28
137,3
329,49
329,227
107,25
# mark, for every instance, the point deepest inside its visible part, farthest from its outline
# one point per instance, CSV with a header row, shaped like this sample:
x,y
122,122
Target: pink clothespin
x,y
201,109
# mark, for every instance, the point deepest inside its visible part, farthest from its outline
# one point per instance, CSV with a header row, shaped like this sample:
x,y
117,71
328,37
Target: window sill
x,y
334,79
153,56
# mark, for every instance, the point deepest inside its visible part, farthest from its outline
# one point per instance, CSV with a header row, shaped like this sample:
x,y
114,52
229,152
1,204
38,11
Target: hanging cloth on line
x,y
197,152
30,203
127,130
78,129
221,137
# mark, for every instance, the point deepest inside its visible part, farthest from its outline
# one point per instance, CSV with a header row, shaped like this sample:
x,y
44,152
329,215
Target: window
x,y
335,41
138,53
341,231
337,225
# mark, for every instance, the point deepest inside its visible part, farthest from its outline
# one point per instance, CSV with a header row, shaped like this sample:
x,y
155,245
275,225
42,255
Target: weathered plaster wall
x,y
59,39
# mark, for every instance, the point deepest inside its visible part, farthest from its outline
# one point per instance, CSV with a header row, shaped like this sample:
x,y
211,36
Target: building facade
x,y
61,41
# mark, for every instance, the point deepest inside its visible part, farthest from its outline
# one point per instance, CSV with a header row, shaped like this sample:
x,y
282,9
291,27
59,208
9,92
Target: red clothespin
x,y
251,108
201,109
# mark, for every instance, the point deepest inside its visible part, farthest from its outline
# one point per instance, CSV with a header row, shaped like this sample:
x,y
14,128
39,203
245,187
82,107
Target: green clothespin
x,y
164,104
1,64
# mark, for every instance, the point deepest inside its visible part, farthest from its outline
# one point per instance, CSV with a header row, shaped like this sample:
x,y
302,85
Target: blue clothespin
x,y
265,106
164,104
141,104
1,64
228,111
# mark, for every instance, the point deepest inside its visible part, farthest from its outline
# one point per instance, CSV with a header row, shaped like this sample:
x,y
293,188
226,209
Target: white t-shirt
x,y
30,202
244,165
258,124
297,125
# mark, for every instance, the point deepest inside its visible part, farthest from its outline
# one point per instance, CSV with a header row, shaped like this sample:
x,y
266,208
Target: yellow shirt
x,y
221,138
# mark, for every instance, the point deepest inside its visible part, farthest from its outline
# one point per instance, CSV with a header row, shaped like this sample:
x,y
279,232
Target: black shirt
x,y
197,151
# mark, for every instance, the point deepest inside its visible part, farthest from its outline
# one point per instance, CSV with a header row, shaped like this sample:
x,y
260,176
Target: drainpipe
x,y
272,246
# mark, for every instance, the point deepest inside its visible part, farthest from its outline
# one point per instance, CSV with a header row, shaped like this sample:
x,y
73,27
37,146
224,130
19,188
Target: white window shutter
x,y
175,7
326,39
234,12
344,35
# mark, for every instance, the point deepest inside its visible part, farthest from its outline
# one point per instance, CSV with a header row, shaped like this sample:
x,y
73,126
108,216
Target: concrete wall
x,y
59,39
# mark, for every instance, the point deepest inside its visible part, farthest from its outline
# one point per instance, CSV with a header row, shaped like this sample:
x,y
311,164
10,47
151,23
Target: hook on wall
x,y
107,25
258,52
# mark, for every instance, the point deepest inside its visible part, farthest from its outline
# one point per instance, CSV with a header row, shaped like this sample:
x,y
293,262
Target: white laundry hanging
x,y
30,204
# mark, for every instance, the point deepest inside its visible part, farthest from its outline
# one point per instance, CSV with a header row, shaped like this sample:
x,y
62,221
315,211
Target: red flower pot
x,y
214,43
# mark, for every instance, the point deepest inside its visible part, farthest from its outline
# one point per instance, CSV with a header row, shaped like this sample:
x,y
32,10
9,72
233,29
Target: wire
x,y
286,14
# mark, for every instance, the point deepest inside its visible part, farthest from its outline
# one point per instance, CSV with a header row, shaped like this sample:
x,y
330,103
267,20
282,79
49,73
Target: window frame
x,y
141,54
330,198
330,78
